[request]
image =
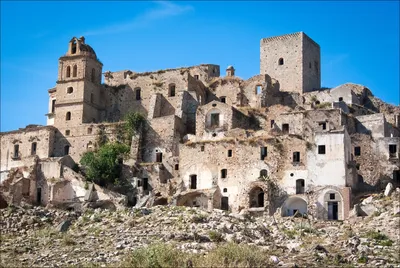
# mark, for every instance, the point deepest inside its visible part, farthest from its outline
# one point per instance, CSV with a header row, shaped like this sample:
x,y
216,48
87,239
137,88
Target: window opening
x,y
285,128
224,173
138,97
16,150
357,150
321,149
214,120
263,152
33,148
296,157
75,71
159,157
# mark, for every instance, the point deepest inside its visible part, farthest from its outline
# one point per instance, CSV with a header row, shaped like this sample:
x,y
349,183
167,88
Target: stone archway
x,y
256,197
331,205
292,205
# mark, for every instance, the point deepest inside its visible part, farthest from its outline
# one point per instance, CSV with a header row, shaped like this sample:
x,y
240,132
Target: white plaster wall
x,y
204,176
329,168
294,203
288,183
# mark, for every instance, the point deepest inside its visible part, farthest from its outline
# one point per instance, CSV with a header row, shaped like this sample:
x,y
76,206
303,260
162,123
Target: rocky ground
x,y
35,236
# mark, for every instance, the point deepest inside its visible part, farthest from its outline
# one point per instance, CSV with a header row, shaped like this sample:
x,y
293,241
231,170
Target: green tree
x,y
103,166
133,123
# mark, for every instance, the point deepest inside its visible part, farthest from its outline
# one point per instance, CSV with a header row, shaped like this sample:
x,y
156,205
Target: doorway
x,y
261,199
224,203
333,211
39,195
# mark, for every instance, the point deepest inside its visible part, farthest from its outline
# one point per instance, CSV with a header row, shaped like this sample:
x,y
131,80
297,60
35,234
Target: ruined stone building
x,y
276,142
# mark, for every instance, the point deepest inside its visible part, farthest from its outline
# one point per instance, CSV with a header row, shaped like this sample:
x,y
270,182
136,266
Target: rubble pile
x,y
36,236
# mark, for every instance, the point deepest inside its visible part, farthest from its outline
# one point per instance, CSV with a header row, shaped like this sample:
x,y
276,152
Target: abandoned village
x,y
275,143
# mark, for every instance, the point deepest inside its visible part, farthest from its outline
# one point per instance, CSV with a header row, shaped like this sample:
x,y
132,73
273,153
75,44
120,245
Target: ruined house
x,y
276,142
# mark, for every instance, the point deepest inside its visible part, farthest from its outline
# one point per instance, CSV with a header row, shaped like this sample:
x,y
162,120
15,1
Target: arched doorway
x,y
256,197
293,205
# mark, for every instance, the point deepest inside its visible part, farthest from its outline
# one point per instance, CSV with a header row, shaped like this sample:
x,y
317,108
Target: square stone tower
x,y
292,59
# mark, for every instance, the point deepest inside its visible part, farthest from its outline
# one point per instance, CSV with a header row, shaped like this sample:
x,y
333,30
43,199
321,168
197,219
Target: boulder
x,y
63,226
388,189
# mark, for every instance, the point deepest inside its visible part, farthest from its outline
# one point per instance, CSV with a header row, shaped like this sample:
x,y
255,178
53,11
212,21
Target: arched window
x,y
75,71
280,62
73,47
68,116
171,90
70,90
263,173
68,72
93,75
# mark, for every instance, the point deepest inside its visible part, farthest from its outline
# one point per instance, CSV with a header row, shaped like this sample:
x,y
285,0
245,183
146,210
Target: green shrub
x,y
156,256
102,166
377,235
215,236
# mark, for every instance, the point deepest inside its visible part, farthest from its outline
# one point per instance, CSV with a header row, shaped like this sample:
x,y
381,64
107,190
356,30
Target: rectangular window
x,y
229,153
263,152
321,149
322,125
67,132
159,157
224,173
89,130
214,120
357,150
272,123
139,183
296,157
285,128
331,196
33,148
53,106
392,150
223,99
176,166
16,151
138,97
258,90
202,148
196,76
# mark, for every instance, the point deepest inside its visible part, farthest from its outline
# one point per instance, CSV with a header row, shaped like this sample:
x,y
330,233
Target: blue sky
x,y
359,42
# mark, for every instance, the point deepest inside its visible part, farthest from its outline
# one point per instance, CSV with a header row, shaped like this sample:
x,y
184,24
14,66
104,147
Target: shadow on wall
x,y
281,98
123,100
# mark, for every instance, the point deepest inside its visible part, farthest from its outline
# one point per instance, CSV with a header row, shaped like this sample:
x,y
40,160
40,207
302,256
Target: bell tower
x,y
77,97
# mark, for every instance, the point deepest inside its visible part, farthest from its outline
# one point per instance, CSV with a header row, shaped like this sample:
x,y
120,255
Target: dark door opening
x,y
39,195
300,186
159,157
193,182
224,203
333,211
260,199
145,184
